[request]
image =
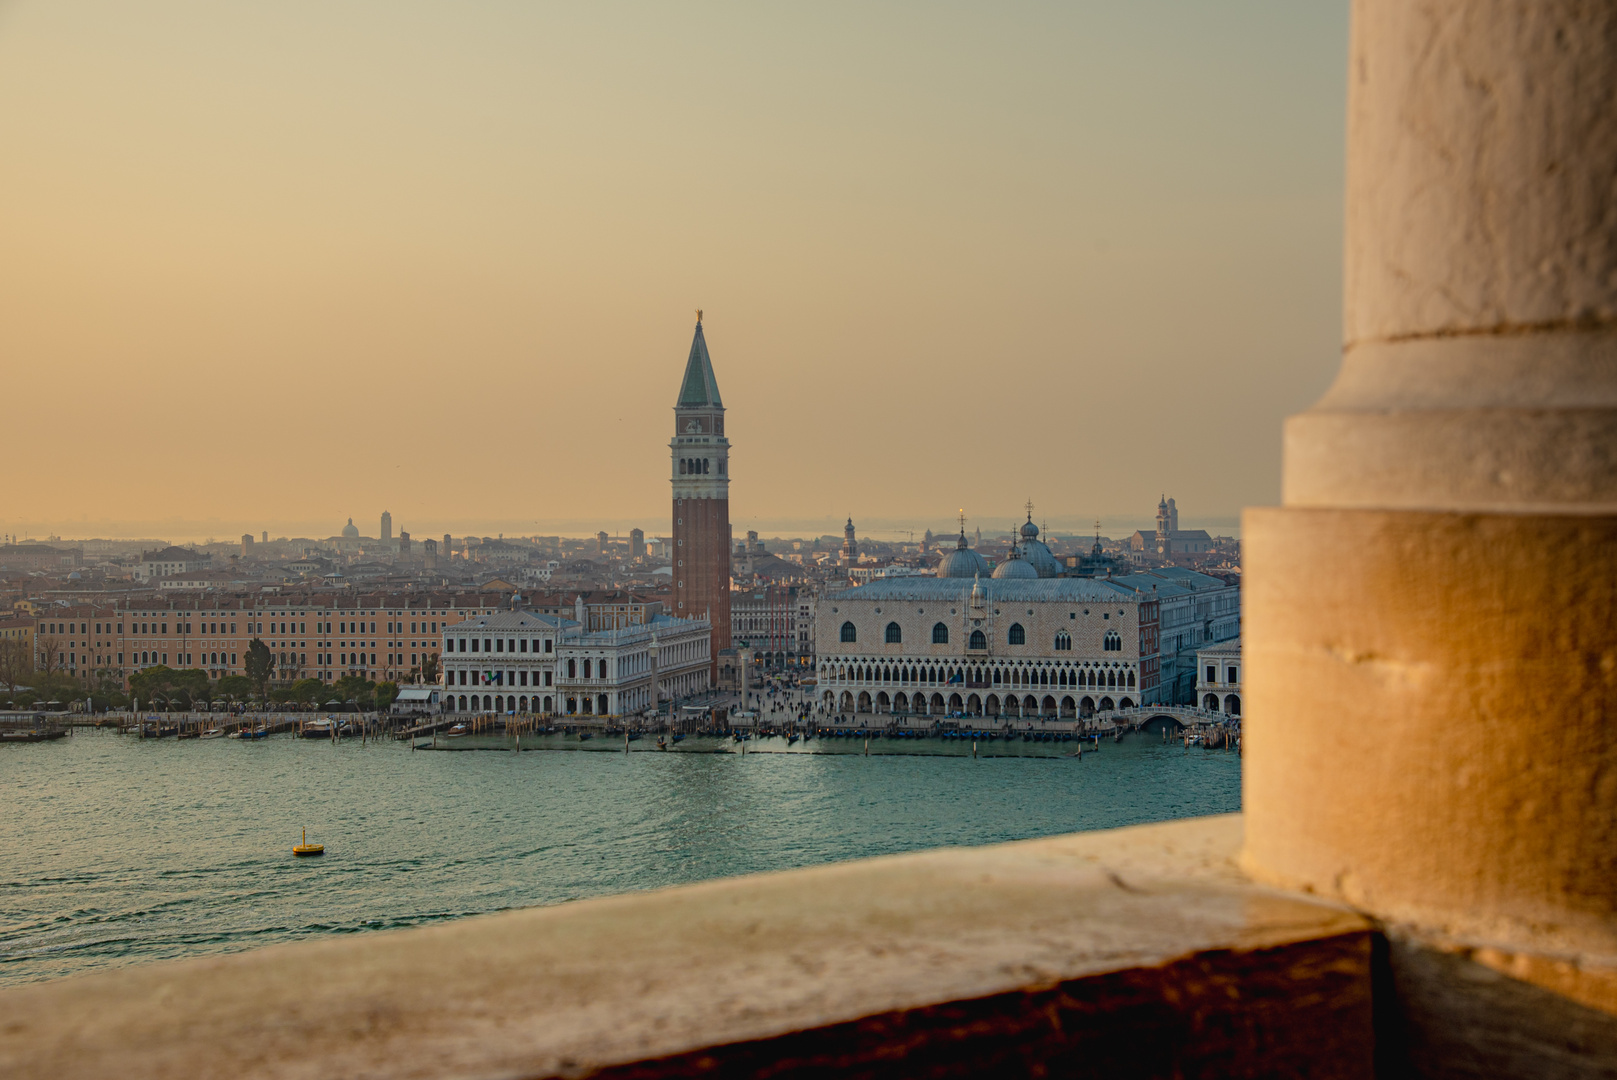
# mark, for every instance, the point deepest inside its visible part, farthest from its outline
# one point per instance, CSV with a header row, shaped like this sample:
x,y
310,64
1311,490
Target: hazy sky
x,y
268,265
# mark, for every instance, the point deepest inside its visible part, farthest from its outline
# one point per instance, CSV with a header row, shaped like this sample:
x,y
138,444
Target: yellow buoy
x,y
307,848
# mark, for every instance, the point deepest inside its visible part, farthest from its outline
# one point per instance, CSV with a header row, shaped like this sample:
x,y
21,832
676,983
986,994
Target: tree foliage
x,y
386,692
355,688
308,691
234,688
429,668
260,666
180,688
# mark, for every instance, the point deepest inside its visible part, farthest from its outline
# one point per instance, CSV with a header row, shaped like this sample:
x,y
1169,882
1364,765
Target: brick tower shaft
x,y
700,456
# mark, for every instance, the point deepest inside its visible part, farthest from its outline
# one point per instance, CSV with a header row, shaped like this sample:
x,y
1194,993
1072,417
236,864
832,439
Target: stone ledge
x,y
1140,949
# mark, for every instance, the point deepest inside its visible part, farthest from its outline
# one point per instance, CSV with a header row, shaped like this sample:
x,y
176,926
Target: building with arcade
x,y
1003,647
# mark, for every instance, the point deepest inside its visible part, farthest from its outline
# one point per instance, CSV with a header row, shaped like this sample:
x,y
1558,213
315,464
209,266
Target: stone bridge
x,y
1182,716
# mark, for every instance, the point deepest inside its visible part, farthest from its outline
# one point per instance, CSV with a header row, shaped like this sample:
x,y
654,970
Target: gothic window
x,y
1017,636
1131,680
1064,642
895,635
721,466
849,633
979,640
940,634
1113,641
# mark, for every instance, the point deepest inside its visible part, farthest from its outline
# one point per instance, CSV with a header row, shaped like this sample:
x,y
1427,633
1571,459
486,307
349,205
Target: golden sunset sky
x,y
269,265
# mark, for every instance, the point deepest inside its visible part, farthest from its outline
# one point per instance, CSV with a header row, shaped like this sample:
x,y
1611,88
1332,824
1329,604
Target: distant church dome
x,y
1015,567
1038,556
962,562
349,531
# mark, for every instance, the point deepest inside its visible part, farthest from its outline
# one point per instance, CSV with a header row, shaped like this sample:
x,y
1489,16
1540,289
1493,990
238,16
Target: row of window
x,y
698,466
499,645
496,678
1016,635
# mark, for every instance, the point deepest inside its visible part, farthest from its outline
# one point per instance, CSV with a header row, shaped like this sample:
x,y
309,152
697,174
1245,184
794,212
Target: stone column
x,y
1431,627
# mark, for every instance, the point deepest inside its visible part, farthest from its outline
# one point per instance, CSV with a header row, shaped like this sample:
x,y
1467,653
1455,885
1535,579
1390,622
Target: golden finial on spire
x,y
698,314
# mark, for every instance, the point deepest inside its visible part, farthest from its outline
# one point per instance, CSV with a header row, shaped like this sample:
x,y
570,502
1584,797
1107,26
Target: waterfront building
x,y
1218,677
526,662
1194,610
1013,648
700,457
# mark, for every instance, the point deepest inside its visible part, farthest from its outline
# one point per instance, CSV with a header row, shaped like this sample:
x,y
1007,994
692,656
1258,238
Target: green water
x,y
120,851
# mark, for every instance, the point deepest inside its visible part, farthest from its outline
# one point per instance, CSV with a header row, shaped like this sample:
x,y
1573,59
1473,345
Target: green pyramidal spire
x,y
699,388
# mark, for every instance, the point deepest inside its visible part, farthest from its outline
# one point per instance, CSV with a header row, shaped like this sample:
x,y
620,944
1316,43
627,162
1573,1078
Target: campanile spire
x,y
700,456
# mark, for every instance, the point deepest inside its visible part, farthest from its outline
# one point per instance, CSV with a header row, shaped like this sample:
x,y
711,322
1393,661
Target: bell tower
x,y
700,456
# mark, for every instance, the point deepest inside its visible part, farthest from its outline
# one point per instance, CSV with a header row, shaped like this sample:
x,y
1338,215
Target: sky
x,y
269,266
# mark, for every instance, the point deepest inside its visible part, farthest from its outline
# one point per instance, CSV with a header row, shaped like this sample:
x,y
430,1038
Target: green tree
x,y
429,668
234,688
53,686
308,691
385,693
260,666
355,688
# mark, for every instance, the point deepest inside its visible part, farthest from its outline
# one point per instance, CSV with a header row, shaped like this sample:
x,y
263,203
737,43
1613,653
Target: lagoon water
x,y
122,851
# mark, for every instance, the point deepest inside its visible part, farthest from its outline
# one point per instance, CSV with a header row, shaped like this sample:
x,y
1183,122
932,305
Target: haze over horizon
x,y
272,267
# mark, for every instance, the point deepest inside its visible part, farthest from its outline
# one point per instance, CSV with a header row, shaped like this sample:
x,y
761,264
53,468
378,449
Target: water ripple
x,y
195,856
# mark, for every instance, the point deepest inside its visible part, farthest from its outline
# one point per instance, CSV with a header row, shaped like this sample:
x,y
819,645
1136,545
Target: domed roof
x,y
349,530
1038,556
1015,567
962,561
1030,531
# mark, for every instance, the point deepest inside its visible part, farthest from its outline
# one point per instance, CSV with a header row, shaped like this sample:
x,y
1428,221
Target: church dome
x,y
349,531
1038,556
1030,531
1015,567
962,562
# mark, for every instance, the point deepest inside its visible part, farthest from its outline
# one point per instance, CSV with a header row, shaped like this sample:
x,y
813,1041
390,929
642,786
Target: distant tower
x,y
600,543
246,543
266,536
449,546
387,526
850,546
404,542
637,544
1173,518
1164,525
429,554
700,455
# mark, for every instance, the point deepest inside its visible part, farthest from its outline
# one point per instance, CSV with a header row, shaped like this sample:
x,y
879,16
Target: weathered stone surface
x,y
1482,167
1428,733
1480,307
942,963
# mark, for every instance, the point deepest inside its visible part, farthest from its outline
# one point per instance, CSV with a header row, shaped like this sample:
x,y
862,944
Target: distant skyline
x,y
275,265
